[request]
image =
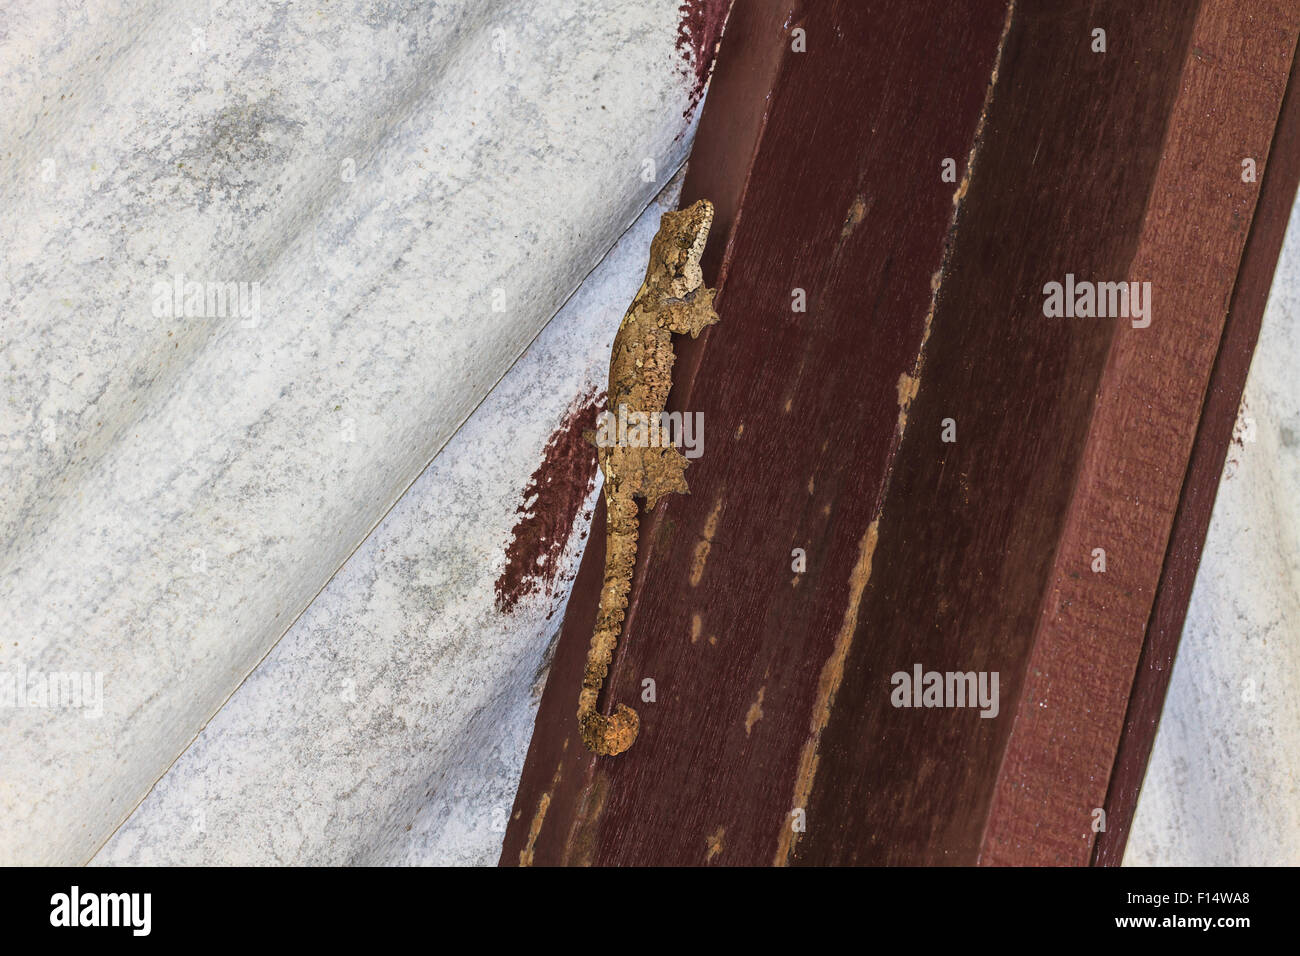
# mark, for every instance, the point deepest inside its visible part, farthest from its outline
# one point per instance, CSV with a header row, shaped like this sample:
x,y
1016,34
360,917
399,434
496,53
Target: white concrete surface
x,y
390,724
414,188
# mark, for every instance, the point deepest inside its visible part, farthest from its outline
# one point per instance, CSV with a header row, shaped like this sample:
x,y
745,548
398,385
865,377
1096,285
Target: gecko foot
x,y
692,315
665,474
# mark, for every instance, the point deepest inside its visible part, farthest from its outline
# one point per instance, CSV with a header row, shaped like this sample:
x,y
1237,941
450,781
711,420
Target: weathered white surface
x,y
1223,784
390,724
415,187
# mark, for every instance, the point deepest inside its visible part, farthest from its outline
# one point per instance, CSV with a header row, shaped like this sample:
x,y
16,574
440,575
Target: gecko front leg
x,y
671,300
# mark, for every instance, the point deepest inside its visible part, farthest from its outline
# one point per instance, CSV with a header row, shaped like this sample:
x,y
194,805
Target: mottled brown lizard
x,y
672,299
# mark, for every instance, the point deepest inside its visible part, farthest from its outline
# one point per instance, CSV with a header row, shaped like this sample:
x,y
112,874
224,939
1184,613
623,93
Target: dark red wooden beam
x,y
1278,182
824,432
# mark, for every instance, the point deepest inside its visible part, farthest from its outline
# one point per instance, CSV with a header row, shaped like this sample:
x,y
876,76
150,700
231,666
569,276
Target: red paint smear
x,y
699,27
561,484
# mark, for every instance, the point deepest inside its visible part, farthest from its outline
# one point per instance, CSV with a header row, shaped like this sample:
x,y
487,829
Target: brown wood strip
x,y
969,530
1278,181
1067,730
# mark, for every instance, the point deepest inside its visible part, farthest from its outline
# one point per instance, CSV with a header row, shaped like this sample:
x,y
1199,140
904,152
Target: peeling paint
x,y
534,828
700,25
827,686
535,825
713,842
908,385
857,212
703,547
755,713
552,499
582,846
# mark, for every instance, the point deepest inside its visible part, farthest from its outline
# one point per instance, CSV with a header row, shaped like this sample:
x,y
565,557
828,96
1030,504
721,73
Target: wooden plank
x,y
760,361
987,512
1278,183
1086,646
824,434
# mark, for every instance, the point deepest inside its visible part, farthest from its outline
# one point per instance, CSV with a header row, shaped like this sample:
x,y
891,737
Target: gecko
x,y
672,299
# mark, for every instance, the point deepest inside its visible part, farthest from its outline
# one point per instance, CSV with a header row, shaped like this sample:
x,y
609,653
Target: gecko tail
x,y
607,735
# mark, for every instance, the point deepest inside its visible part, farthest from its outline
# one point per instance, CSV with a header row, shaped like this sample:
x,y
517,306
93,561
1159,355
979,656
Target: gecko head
x,y
676,250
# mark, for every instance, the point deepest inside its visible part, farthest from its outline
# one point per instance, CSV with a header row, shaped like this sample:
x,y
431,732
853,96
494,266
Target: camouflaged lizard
x,y
672,299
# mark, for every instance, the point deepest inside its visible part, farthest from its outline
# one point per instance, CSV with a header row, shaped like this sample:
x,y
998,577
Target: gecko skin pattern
x,y
671,300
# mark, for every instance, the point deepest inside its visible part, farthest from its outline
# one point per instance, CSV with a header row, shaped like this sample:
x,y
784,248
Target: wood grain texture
x,y
1278,181
1089,636
924,303
969,530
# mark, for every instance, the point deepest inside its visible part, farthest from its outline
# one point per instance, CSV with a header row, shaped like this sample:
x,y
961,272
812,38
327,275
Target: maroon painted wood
x,y
1279,178
789,167
824,433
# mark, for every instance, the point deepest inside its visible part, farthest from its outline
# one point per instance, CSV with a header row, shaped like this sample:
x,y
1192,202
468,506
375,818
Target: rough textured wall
x,y
366,211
